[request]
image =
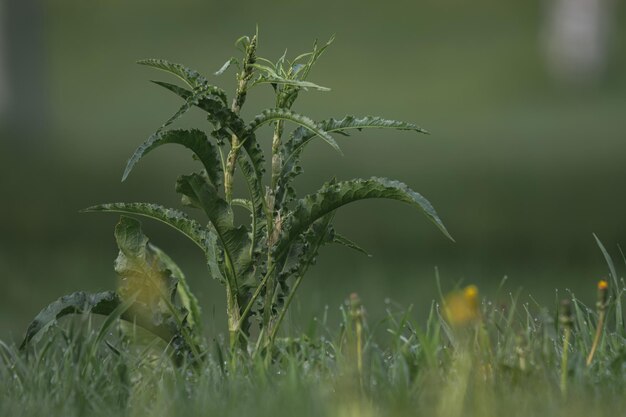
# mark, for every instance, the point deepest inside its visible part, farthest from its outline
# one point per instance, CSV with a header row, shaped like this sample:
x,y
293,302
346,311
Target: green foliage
x,y
261,264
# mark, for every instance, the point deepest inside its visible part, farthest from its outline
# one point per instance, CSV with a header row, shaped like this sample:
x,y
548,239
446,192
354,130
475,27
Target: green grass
x,y
505,362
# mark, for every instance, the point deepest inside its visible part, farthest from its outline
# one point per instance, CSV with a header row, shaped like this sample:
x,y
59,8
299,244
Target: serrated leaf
x,y
270,115
105,303
77,303
301,135
173,218
80,302
190,76
334,195
257,203
194,140
227,123
201,96
210,91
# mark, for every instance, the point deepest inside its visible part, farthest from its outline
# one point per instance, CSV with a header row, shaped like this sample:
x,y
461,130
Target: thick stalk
x,y
602,302
234,318
596,339
273,224
240,97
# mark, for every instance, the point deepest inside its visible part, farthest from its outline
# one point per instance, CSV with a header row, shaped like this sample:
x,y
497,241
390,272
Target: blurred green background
x,y
523,163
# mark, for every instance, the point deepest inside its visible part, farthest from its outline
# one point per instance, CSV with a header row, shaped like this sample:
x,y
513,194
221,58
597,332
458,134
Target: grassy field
x,y
472,357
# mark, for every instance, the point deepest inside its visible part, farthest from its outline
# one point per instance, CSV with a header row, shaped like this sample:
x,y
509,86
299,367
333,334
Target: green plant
x,y
261,264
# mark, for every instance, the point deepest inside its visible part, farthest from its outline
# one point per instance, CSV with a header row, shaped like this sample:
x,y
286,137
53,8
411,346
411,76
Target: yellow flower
x,y
462,307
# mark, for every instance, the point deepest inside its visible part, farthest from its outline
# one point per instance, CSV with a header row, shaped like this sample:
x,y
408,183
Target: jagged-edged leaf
x,y
106,303
195,140
190,76
367,122
227,123
270,115
301,136
201,96
292,149
234,240
344,241
77,303
211,91
173,218
334,195
80,302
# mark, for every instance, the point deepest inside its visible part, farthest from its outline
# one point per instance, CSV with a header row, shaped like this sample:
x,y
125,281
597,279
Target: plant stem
x,y
566,337
240,97
234,318
596,339
566,319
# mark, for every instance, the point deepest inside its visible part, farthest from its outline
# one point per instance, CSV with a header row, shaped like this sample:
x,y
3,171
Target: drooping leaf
x,y
301,136
292,149
242,202
257,204
173,218
106,303
195,140
234,240
270,115
143,274
228,123
334,195
76,303
187,297
103,303
201,96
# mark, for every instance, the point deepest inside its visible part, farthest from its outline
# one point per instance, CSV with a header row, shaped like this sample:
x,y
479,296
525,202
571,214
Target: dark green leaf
x,y
334,195
292,149
195,140
270,115
173,218
103,303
